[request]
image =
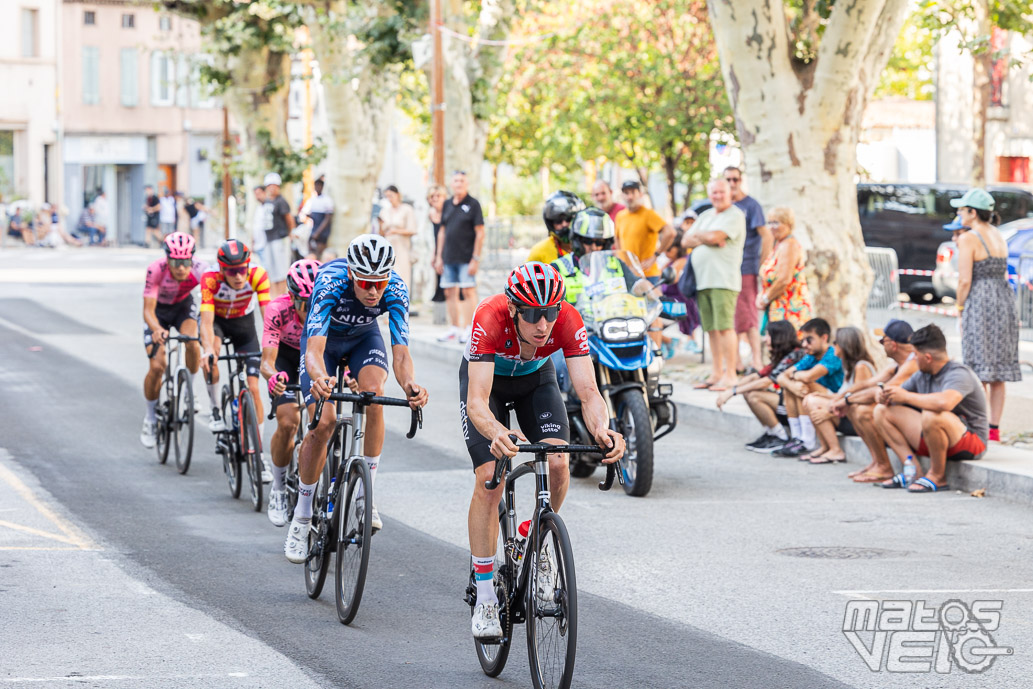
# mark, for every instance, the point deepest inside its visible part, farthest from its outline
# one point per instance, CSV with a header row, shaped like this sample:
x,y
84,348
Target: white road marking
x,y
861,593
115,678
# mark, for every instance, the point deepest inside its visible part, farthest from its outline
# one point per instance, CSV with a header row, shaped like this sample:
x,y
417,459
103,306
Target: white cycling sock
x,y
304,508
279,474
151,406
212,395
483,573
807,434
778,431
794,426
372,463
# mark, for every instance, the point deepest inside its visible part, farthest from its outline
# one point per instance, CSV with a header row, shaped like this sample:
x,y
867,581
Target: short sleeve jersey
x,y
956,376
281,324
833,378
335,311
166,289
226,302
751,249
493,338
638,232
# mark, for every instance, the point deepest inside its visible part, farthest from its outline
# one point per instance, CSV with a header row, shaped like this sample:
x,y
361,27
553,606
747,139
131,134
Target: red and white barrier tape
x,y
929,309
922,273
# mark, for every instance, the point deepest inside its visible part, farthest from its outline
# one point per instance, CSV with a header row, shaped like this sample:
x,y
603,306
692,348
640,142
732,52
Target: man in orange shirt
x,y
642,231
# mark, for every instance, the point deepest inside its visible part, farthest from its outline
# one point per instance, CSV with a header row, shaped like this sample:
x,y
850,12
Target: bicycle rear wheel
x,y
551,602
251,448
162,415
183,420
319,537
493,657
354,537
231,458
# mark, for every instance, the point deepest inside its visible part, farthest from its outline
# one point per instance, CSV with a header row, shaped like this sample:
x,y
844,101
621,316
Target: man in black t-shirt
x,y
151,207
458,258
279,224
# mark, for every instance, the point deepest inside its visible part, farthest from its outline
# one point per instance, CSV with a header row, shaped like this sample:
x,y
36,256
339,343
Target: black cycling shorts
x,y
288,359
536,399
243,336
169,316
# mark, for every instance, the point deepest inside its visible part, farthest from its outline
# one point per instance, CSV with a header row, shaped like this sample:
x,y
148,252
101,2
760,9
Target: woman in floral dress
x,y
783,286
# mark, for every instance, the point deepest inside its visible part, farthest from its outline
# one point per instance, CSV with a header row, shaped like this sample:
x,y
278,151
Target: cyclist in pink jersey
x,y
167,304
284,323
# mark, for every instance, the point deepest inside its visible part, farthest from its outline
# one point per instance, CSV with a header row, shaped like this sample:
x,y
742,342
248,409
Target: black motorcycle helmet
x,y
594,224
563,205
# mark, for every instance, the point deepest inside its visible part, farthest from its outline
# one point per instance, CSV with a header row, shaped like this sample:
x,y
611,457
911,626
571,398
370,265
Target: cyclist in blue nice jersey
x,y
341,327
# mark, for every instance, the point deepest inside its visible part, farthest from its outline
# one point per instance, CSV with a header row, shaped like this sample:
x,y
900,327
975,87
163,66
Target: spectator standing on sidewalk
x,y
321,212
151,212
459,256
279,223
436,196
398,225
716,241
101,215
939,413
602,194
986,302
168,213
783,284
758,246
259,221
641,231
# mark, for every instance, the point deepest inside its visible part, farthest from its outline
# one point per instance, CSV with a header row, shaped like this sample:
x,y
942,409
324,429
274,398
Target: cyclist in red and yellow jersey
x,y
227,311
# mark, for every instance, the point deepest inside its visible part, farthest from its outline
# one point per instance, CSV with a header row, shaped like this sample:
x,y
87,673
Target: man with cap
x,y
858,402
641,231
278,227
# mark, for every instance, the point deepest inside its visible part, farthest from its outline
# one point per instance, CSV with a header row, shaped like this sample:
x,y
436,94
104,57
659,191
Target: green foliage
x,y
909,72
622,80
291,164
520,196
942,16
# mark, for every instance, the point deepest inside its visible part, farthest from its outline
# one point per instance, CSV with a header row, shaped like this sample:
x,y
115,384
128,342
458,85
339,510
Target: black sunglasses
x,y
533,315
180,262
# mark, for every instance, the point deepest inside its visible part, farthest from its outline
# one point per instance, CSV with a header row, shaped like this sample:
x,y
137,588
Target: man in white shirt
x,y
168,214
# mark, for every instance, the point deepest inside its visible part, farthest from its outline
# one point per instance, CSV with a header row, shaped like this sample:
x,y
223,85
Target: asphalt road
x,y
696,585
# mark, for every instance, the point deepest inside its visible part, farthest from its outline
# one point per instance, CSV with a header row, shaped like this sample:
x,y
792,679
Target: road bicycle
x,y
340,523
240,444
174,413
290,481
542,597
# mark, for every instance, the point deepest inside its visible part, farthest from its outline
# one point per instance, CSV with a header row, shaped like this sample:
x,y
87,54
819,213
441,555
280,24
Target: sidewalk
x,y
1006,471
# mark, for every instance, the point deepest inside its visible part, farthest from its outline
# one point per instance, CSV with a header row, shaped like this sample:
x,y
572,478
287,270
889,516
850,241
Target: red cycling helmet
x,y
179,245
234,252
535,285
301,278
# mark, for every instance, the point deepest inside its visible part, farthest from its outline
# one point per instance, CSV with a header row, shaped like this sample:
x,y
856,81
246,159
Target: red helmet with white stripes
x,y
535,285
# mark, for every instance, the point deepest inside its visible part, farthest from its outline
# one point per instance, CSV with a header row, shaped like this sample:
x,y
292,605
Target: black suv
x,y
909,218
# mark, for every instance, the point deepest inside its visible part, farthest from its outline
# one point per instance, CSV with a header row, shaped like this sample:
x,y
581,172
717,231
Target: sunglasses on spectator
x,y
594,242
180,262
533,315
235,272
808,339
733,179
363,283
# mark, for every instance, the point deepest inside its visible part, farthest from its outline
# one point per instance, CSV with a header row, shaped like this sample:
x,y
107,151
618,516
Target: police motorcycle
x,y
618,305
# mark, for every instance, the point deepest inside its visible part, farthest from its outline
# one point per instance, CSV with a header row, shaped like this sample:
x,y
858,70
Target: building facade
x,y
133,110
29,142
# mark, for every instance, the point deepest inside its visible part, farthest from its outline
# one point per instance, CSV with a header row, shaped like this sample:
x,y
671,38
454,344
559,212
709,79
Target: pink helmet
x,y
301,277
179,245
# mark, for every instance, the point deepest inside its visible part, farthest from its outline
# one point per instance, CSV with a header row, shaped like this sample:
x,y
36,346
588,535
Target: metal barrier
x,y
1025,288
507,241
886,281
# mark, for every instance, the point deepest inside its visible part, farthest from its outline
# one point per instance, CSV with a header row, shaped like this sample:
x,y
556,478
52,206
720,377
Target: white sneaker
x,y
296,545
267,472
147,433
277,510
545,581
216,424
374,522
485,621
449,336
464,336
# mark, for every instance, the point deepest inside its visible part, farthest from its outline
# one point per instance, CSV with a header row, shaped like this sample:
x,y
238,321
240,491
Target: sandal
x,y
924,485
825,459
702,386
896,482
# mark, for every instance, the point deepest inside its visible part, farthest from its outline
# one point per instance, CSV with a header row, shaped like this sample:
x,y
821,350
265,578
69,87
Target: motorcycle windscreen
x,y
617,303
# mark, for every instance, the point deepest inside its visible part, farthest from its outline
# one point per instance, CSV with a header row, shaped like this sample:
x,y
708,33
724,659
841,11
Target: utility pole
x,y
437,94
226,172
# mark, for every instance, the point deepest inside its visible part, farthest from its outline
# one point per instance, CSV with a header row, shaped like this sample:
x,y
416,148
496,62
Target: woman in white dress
x,y
398,224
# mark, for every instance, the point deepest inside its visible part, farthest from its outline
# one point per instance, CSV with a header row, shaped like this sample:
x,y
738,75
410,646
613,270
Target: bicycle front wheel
x,y
251,448
183,420
551,602
231,457
354,536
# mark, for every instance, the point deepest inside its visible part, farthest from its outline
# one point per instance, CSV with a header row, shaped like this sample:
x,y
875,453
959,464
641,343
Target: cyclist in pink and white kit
x,y
167,304
284,323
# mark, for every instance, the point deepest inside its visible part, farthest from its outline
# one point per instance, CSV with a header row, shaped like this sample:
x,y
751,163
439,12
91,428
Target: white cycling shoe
x,y
147,436
295,548
485,621
545,580
374,522
216,424
277,510
267,473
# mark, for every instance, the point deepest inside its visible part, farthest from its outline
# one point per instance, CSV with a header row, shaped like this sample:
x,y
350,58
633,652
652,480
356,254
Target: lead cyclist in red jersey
x,y
167,304
507,361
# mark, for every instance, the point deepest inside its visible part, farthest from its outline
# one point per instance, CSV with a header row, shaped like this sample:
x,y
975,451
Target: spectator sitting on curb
x,y
858,368
939,413
765,403
819,371
857,402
